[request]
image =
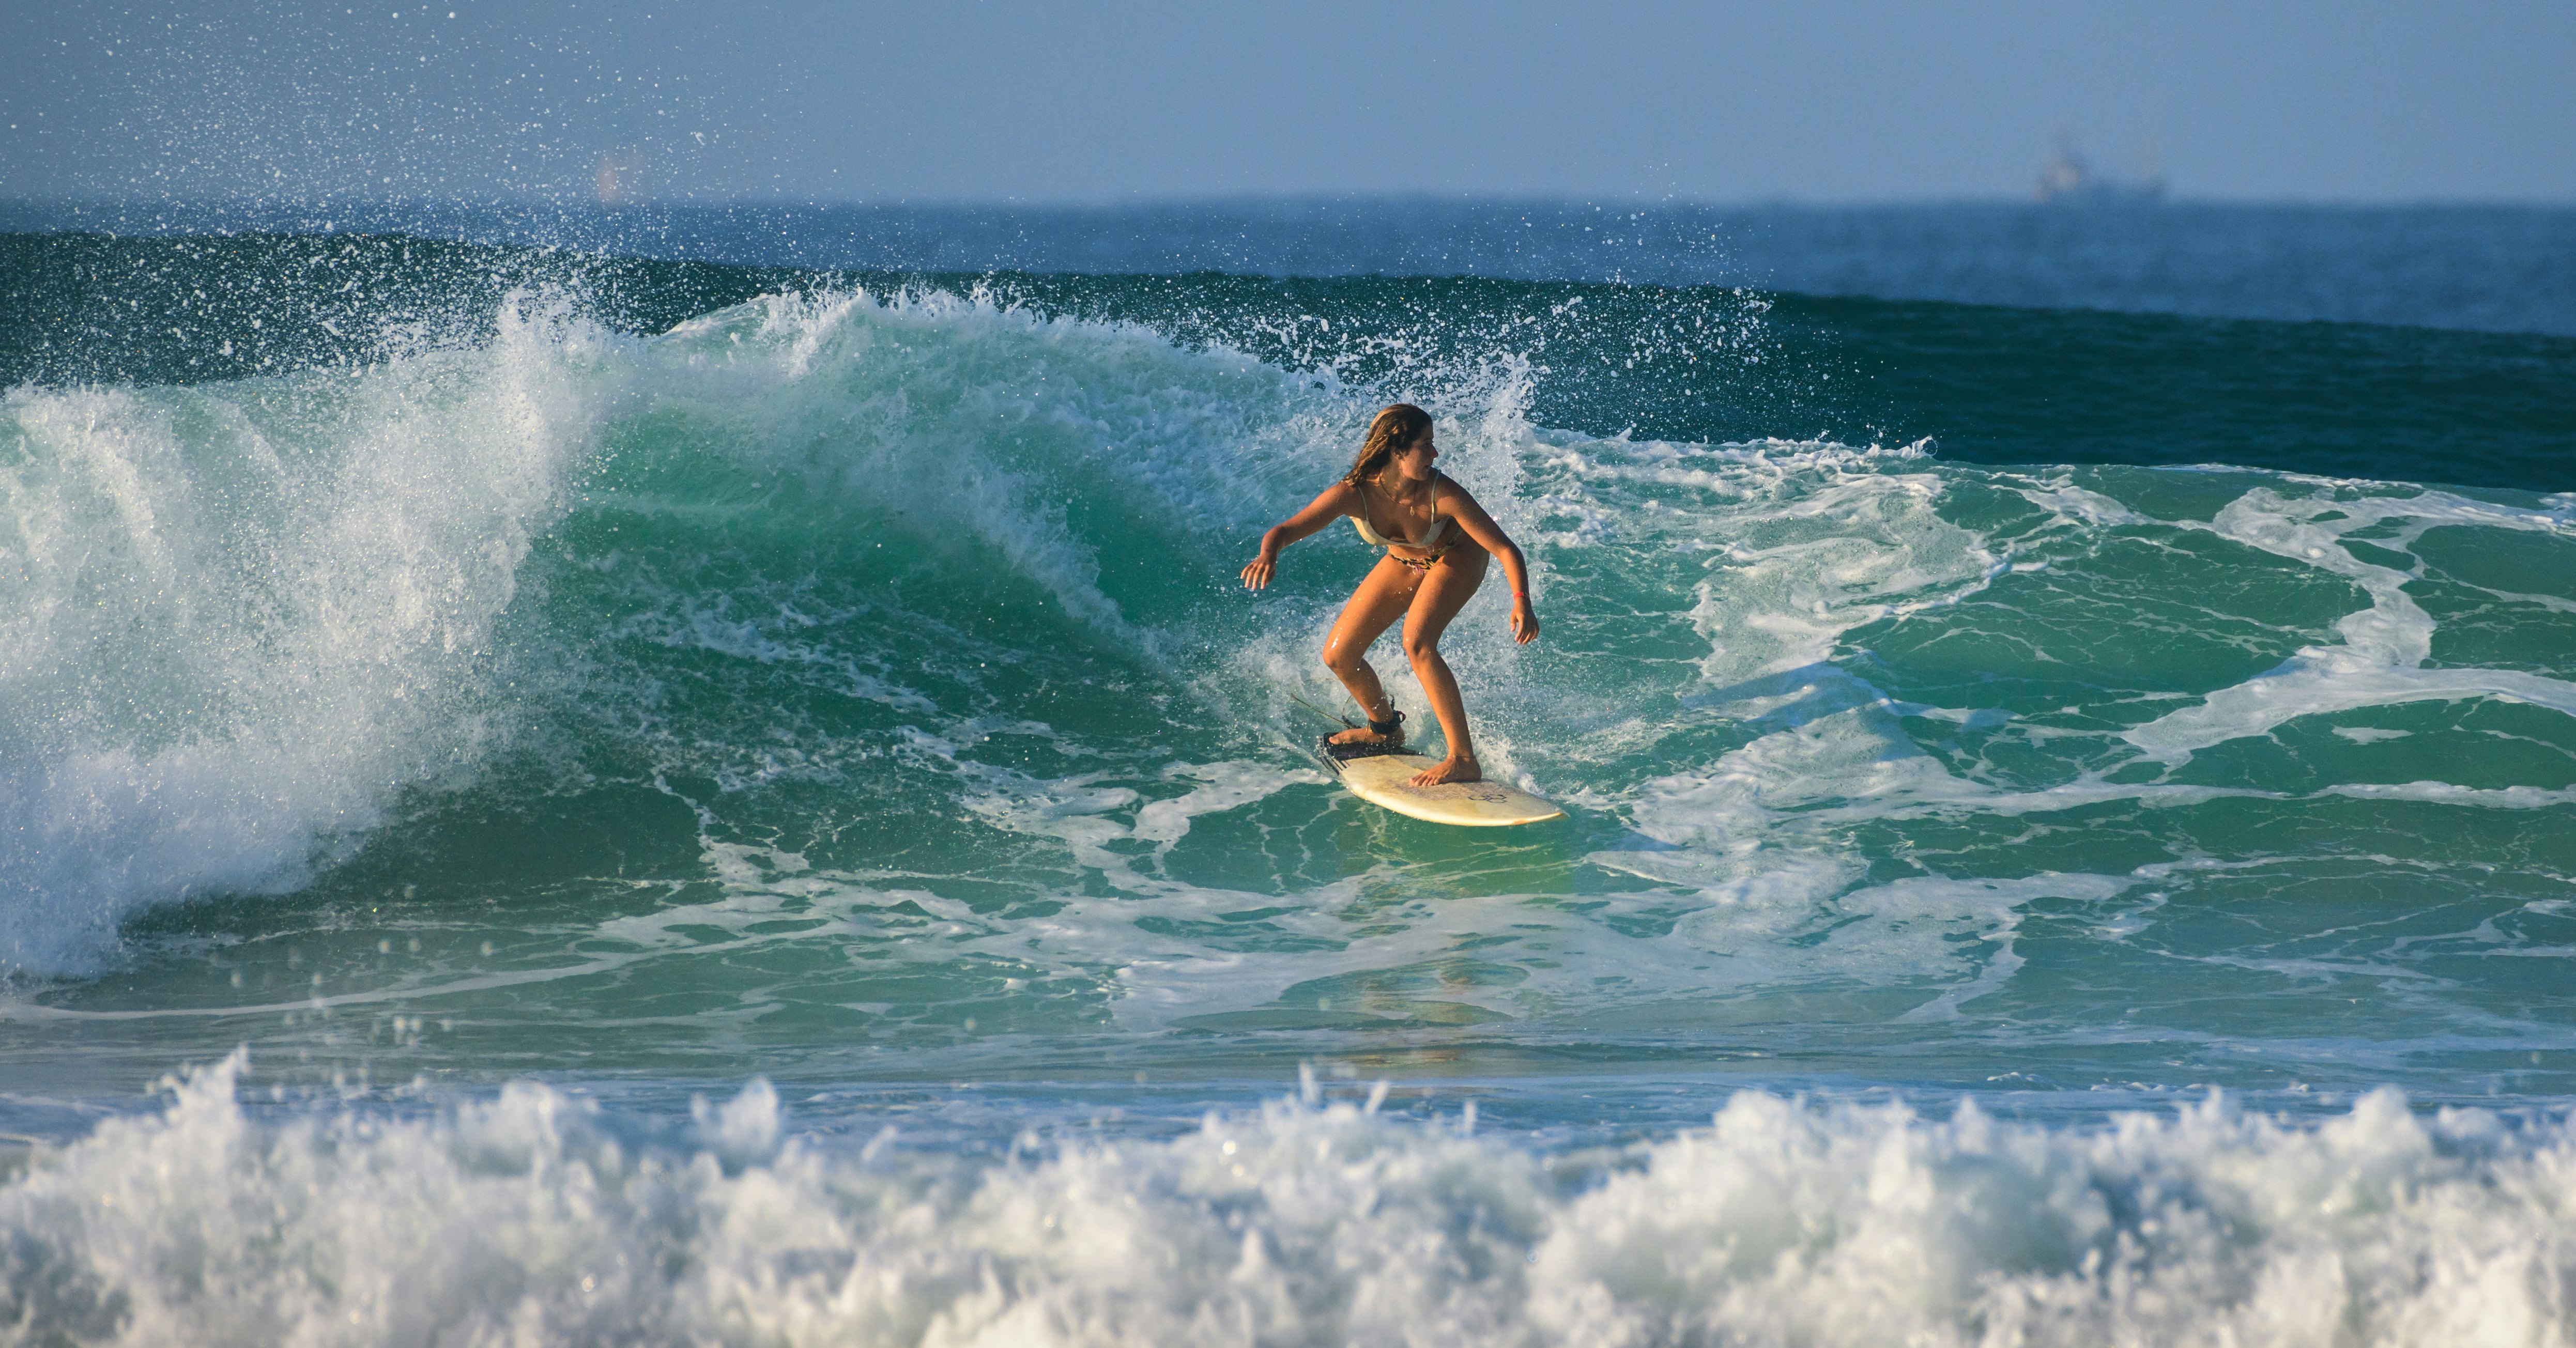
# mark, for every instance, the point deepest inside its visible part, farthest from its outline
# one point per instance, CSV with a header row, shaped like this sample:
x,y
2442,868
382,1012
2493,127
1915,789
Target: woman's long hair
x,y
1394,427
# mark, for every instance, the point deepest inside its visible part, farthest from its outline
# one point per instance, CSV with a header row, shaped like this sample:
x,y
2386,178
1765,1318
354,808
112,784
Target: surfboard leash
x,y
1346,722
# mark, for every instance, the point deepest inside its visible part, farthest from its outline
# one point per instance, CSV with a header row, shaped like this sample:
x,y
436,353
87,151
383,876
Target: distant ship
x,y
2068,179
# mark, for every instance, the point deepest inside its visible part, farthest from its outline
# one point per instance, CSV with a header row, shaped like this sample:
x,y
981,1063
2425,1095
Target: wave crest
x,y
528,1214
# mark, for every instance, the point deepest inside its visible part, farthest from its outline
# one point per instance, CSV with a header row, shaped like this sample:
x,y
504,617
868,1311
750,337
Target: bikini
x,y
1370,536
1391,731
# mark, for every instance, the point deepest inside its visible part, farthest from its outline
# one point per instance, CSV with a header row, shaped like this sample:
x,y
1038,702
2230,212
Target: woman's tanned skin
x,y
1409,494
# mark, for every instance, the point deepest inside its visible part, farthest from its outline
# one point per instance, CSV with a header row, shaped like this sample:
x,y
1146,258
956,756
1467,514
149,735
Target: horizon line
x,y
1251,200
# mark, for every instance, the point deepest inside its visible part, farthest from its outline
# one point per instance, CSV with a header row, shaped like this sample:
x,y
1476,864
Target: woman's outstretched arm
x,y
1333,504
1459,506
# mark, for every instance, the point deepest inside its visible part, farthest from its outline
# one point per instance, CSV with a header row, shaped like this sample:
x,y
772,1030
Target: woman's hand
x,y
1263,567
1524,620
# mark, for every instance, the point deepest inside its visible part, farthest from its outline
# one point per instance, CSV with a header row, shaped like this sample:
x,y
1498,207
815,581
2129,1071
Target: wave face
x,y
1685,364
239,620
848,684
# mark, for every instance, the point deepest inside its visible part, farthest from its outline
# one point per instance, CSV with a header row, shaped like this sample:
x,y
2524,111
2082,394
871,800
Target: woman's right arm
x,y
1332,505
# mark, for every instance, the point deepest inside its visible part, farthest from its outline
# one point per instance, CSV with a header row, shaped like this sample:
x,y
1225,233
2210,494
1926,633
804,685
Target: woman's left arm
x,y
1458,505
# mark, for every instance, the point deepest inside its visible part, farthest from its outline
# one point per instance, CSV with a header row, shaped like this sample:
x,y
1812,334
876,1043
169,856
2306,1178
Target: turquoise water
x,y
756,794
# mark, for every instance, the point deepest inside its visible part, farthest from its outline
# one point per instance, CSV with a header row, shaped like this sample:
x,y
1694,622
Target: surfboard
x,y
1384,778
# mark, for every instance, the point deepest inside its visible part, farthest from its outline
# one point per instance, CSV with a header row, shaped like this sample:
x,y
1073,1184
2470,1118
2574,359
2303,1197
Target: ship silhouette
x,y
2069,179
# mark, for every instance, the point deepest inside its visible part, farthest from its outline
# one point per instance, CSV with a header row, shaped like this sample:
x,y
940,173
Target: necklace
x,y
1430,497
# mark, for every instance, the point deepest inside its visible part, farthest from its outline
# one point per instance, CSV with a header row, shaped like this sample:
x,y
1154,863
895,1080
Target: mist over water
x,y
2475,267
517,700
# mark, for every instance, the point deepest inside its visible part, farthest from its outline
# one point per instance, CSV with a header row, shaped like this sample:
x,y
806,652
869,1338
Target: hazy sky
x,y
462,99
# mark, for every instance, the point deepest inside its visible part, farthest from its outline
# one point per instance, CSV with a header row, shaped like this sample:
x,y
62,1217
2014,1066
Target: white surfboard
x,y
1386,779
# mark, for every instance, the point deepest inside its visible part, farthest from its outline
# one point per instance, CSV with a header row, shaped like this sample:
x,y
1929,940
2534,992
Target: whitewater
x,y
776,823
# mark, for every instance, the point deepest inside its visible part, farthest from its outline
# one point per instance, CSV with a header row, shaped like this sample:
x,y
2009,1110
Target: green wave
x,y
1706,364
844,671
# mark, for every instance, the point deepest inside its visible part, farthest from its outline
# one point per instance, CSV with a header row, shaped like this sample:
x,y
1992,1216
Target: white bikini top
x,y
1370,535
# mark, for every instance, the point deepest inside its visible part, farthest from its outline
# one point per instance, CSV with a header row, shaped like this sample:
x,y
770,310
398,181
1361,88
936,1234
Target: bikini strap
x,y
1438,524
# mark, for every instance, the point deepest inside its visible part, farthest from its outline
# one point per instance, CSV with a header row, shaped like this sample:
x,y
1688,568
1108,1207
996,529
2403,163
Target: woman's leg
x,y
1373,607
1446,590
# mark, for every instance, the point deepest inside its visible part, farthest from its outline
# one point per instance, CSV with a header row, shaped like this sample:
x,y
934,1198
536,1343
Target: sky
x,y
1013,101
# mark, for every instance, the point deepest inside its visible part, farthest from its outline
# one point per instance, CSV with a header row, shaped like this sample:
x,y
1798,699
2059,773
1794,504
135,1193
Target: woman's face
x,y
1413,462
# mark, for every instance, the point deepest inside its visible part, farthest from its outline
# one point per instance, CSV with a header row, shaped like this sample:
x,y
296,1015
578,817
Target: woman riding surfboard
x,y
1401,503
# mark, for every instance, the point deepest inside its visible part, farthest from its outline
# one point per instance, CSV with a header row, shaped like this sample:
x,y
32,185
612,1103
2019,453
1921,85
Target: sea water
x,y
562,798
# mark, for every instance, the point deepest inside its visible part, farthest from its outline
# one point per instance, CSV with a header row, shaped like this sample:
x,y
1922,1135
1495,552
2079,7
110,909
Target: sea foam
x,y
236,621
532,1216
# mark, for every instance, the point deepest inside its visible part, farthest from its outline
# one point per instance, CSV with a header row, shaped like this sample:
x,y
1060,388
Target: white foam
x,y
1760,916
523,1218
1221,786
2380,661
237,620
2081,505
1805,540
2448,793
2318,681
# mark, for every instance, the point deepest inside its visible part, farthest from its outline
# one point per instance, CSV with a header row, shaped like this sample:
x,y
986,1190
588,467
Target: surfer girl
x,y
1404,505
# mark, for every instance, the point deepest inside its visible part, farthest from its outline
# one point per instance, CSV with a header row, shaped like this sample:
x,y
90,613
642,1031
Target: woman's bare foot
x,y
1389,731
1450,769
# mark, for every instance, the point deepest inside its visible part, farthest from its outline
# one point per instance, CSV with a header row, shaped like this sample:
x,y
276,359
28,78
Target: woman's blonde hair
x,y
1394,427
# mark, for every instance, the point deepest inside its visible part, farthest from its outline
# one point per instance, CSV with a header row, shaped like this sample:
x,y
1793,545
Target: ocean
x,y
705,777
